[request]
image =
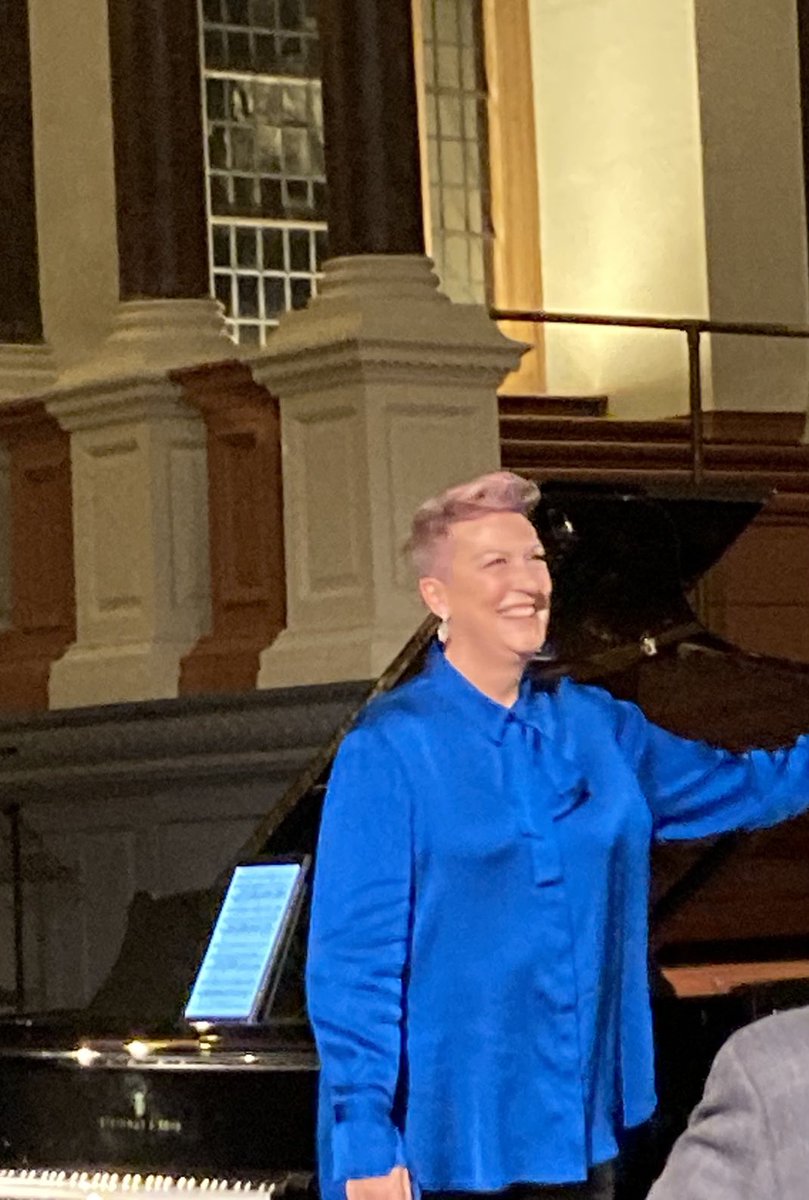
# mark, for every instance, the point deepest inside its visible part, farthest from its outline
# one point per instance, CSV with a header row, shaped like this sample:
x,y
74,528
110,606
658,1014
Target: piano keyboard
x,y
35,1184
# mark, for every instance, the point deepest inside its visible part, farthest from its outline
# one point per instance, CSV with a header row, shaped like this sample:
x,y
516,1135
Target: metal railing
x,y
692,327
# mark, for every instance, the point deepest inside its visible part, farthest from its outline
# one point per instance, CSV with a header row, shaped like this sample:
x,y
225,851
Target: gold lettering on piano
x,y
140,1121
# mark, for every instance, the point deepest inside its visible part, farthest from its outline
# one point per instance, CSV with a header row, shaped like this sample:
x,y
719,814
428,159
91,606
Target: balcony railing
x,y
692,327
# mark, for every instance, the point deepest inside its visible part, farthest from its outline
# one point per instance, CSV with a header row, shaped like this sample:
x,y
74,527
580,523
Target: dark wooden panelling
x,y
43,599
248,584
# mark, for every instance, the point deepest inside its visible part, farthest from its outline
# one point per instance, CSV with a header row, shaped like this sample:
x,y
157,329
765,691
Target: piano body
x,y
121,1098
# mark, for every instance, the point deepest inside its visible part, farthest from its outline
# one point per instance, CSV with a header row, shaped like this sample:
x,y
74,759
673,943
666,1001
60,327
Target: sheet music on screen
x,y
247,938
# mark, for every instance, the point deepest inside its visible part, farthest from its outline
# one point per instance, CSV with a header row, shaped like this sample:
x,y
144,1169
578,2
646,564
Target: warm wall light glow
x,y
137,1050
622,216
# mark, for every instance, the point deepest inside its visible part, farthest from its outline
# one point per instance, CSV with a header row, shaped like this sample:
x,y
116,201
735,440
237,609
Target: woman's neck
x,y
500,681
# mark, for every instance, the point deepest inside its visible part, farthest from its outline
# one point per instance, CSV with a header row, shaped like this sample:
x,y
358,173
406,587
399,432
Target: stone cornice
x,y
112,401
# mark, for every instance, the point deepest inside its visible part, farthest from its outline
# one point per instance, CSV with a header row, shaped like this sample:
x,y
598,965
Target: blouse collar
x,y
531,706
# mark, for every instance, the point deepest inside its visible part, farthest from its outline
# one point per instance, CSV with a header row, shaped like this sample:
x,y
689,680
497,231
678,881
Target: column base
x,y
89,675
156,336
337,655
25,370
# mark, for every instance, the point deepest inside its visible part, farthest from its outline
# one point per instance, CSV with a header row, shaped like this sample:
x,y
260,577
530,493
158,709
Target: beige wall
x,y
75,189
620,182
671,184
754,195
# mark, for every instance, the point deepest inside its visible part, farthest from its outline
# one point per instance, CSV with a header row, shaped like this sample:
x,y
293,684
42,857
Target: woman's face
x,y
495,587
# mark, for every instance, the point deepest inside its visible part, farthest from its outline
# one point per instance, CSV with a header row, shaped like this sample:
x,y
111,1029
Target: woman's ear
x,y
433,593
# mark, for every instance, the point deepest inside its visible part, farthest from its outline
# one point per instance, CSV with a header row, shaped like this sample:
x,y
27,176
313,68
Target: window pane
x,y
263,14
456,143
449,115
244,194
274,296
239,56
215,98
446,21
301,290
249,335
265,158
218,148
215,50
273,242
299,250
222,291
268,150
271,202
237,12
221,193
221,246
291,15
246,250
242,149
319,200
452,164
266,58
296,197
248,296
449,67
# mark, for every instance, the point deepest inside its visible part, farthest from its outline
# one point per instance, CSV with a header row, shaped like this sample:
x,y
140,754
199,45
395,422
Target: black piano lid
x,y
623,559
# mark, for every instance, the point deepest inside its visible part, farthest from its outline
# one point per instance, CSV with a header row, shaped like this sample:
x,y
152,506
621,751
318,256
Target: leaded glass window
x,y
266,181
456,121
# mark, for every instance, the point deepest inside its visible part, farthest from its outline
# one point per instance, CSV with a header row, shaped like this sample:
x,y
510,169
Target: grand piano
x,y
123,1098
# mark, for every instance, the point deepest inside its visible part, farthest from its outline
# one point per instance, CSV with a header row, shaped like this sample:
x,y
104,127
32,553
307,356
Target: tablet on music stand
x,y
239,972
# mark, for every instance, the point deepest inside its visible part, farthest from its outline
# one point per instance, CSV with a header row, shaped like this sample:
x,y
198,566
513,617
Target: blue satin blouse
x,y
477,971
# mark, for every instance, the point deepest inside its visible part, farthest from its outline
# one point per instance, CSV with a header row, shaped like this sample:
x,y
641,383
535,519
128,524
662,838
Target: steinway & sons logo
x,y
139,1119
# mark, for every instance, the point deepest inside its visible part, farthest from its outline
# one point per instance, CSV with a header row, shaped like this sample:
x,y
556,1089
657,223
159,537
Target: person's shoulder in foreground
x,y
748,1138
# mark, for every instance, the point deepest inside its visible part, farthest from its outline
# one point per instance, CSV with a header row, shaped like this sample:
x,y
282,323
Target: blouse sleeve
x,y
696,790
358,950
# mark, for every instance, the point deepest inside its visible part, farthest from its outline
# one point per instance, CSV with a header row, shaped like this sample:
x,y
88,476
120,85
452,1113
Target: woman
x,y
478,958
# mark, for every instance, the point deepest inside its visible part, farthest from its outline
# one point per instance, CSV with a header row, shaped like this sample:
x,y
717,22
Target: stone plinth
x,y
140,512
388,394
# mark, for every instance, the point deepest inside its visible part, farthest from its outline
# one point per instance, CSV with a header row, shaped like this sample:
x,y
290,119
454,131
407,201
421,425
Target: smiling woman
x,y
483,573
477,970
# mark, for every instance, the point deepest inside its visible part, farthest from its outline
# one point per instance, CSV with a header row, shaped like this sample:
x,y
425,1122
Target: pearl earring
x,y
443,630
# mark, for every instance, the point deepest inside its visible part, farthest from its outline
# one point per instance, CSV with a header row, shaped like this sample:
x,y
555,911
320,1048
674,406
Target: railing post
x,y
693,333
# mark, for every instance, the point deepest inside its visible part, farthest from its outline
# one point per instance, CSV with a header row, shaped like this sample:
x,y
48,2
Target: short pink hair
x,y
499,491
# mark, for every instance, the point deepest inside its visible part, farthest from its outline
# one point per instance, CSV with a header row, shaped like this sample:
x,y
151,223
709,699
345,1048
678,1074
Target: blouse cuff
x,y
365,1141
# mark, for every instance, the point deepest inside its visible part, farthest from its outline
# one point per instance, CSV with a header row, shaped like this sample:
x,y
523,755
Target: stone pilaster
x,y
140,517
388,394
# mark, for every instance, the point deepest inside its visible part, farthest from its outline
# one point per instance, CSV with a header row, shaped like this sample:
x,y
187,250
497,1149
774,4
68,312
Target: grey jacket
x,y
748,1138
